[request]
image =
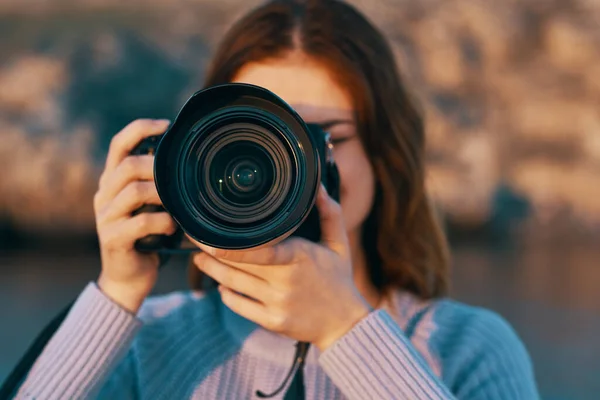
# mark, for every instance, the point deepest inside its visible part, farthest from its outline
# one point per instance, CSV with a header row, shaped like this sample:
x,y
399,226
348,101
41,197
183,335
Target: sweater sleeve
x,y
375,360
484,356
88,348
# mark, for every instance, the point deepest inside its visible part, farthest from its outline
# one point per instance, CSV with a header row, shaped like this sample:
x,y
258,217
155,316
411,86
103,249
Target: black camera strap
x,y
296,389
10,385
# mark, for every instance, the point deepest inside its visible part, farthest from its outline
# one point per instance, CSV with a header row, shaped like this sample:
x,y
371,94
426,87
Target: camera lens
x,y
238,168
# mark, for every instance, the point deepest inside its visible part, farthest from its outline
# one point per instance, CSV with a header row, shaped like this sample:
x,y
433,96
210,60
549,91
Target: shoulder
x,y
445,322
479,350
459,324
470,347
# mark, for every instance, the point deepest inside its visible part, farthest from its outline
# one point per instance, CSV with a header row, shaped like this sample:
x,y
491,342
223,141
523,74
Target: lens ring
x,y
228,211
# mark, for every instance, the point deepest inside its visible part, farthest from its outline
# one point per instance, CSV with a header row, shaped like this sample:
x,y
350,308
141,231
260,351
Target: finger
x,y
269,273
132,168
129,137
135,195
125,233
233,278
278,254
245,307
333,230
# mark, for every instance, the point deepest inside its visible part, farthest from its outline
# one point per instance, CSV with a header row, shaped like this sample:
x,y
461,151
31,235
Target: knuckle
x,y
144,221
335,208
209,263
138,190
292,272
283,298
102,216
167,222
102,179
224,276
272,253
226,254
119,140
230,255
291,275
227,278
294,250
140,124
129,166
96,201
108,239
116,143
278,322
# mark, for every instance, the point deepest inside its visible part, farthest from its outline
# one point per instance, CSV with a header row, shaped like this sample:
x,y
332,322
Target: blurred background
x,y
511,91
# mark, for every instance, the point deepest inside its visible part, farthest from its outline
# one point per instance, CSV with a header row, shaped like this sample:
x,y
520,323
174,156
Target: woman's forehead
x,y
307,86
322,115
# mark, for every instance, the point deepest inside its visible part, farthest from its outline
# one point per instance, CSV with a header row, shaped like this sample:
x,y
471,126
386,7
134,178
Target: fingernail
x,y
162,121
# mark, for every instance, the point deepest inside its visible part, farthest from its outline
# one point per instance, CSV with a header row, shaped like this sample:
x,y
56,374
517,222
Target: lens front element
x,y
245,174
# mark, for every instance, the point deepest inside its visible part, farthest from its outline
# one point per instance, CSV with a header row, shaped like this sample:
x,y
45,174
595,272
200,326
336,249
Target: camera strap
x,y
296,389
19,373
12,383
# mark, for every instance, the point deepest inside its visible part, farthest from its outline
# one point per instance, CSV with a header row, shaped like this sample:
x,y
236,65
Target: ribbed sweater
x,y
189,345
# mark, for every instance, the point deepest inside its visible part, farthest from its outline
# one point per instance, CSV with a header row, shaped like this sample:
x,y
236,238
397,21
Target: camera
x,y
238,169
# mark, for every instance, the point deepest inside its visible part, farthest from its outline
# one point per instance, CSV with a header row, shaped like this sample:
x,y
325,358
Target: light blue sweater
x,y
189,345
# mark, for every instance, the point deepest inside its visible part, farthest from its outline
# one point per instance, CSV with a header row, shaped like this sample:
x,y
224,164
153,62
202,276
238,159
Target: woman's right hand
x,y
126,184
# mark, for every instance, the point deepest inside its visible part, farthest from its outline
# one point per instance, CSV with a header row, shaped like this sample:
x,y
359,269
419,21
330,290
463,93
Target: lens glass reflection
x,y
242,173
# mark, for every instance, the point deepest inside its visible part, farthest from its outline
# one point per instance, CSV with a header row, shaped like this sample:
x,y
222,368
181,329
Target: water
x,y
548,293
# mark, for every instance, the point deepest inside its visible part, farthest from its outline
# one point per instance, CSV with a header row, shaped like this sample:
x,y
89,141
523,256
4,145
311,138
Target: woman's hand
x,y
301,289
126,184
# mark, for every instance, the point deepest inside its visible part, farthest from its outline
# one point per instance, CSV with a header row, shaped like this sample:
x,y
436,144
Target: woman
x,y
368,297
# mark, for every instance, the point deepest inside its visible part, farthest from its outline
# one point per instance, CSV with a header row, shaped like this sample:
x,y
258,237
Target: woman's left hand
x,y
298,288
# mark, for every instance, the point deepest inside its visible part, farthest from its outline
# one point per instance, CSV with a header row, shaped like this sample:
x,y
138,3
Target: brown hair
x,y
409,250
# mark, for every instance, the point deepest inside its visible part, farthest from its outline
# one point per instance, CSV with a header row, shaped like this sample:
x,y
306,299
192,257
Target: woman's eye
x,y
336,141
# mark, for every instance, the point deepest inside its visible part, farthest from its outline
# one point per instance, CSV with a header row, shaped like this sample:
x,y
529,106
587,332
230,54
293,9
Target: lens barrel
x,y
238,168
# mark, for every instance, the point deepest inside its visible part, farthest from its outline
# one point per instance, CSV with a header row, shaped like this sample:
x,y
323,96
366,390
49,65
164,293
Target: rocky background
x,y
511,90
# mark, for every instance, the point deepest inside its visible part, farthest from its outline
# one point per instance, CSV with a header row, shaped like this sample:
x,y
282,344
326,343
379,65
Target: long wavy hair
x,y
402,238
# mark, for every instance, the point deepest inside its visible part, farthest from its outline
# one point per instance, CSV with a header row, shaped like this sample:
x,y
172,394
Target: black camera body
x,y
238,169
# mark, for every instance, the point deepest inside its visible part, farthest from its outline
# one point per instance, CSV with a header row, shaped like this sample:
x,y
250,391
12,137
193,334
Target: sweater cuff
x,y
93,338
375,360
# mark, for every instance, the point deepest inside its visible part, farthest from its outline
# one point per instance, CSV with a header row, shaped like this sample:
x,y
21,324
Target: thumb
x,y
333,230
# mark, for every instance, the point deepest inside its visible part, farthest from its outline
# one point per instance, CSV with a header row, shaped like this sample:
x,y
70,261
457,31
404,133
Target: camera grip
x,y
153,243
149,243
